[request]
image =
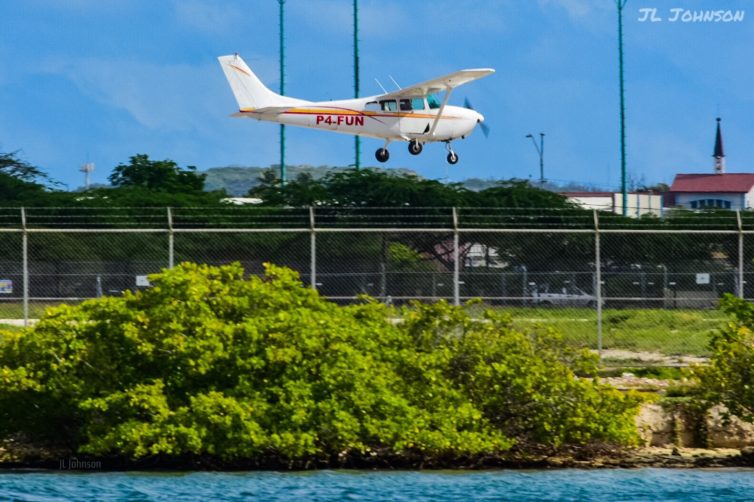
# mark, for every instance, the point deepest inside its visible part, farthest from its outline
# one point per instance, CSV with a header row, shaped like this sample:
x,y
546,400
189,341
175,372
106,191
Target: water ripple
x,y
656,485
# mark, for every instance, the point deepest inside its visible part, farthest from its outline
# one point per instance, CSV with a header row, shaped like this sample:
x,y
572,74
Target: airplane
x,y
414,114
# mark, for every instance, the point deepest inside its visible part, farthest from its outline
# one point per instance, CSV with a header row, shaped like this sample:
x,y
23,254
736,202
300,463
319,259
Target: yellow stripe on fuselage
x,y
330,111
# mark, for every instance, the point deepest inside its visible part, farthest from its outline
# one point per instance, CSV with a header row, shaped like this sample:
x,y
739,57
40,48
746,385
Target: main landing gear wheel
x,y
382,154
414,147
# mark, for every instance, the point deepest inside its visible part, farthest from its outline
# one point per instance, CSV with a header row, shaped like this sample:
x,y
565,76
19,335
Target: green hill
x,y
237,180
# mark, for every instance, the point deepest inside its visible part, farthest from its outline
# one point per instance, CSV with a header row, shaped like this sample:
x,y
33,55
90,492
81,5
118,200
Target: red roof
x,y
713,183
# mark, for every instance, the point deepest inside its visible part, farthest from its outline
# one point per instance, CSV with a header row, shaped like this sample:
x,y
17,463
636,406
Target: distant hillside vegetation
x,y
237,180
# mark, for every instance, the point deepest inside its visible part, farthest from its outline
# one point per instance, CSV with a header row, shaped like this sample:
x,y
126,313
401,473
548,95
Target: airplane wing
x,y
436,85
446,83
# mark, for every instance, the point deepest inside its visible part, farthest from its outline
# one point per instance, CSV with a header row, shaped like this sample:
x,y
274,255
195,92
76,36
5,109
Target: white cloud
x,y
579,9
80,6
596,16
461,17
157,96
382,19
206,16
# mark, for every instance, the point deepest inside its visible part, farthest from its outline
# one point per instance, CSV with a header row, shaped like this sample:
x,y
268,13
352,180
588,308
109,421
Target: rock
x,y
728,432
655,425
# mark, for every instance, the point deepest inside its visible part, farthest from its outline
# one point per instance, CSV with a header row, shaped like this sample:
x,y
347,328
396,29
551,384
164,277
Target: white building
x,y
719,190
639,203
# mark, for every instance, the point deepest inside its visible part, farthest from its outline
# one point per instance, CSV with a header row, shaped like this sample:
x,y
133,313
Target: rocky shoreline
x,y
26,457
665,457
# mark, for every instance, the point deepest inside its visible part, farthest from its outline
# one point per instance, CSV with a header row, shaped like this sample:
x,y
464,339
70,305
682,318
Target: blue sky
x,y
94,80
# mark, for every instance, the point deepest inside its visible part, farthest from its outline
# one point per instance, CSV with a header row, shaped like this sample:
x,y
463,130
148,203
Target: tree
x,y
208,362
303,191
728,378
14,190
369,188
520,194
22,184
161,175
358,188
14,167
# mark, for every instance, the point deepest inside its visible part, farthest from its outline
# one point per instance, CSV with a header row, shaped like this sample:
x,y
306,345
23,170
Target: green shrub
x,y
207,362
729,377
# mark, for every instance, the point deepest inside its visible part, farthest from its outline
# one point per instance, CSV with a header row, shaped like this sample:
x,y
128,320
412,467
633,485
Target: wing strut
x,y
448,90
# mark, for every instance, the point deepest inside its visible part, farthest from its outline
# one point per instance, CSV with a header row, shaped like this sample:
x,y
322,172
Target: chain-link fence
x,y
605,282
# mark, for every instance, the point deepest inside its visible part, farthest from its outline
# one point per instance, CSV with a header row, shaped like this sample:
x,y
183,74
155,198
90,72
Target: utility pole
x,y
621,4
282,92
357,139
541,151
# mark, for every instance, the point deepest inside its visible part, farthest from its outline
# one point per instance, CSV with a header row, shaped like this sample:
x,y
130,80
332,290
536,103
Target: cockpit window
x,y
433,102
405,105
417,103
389,105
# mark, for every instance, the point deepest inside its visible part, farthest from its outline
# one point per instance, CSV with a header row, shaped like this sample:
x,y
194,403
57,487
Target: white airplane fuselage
x,y
414,114
352,116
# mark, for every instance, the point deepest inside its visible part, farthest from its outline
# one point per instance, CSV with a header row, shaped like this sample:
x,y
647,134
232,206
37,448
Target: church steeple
x,y
719,155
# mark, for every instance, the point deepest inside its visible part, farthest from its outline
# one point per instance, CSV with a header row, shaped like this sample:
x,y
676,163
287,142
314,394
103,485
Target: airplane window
x,y
433,102
373,106
405,104
389,105
417,103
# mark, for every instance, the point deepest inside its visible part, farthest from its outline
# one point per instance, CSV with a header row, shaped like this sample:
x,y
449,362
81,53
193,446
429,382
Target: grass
x,y
668,332
15,310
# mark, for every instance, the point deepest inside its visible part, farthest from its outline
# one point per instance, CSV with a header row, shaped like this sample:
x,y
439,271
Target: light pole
x,y
357,140
621,4
541,151
282,92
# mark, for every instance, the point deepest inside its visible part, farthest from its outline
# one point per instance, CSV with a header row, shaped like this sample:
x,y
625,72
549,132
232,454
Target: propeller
x,y
484,127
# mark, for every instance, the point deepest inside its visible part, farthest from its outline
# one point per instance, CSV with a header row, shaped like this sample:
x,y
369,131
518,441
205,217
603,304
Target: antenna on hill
x,y
87,169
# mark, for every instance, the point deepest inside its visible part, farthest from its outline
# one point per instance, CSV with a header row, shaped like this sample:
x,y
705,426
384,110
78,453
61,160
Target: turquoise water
x,y
568,484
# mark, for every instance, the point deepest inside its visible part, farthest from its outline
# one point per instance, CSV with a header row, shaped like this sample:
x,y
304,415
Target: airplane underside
x,y
416,140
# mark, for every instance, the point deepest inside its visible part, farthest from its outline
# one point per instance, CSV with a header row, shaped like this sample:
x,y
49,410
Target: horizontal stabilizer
x,y
267,110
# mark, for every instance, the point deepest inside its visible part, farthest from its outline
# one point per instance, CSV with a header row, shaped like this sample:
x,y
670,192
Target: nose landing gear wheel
x,y
382,154
452,158
414,147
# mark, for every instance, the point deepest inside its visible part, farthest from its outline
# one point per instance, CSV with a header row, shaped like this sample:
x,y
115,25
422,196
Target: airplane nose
x,y
480,122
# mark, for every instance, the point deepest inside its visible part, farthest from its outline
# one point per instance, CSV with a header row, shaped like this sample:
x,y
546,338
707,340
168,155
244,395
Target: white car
x,y
565,297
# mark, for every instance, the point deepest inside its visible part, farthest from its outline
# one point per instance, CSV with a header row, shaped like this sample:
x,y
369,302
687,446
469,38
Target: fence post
x,y
25,264
456,264
171,243
740,254
312,249
598,286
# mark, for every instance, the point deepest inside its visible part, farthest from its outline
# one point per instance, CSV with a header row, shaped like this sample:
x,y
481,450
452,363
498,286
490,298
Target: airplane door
x,y
414,117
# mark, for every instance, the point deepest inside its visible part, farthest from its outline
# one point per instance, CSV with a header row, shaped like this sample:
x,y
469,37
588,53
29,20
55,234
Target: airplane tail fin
x,y
249,91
